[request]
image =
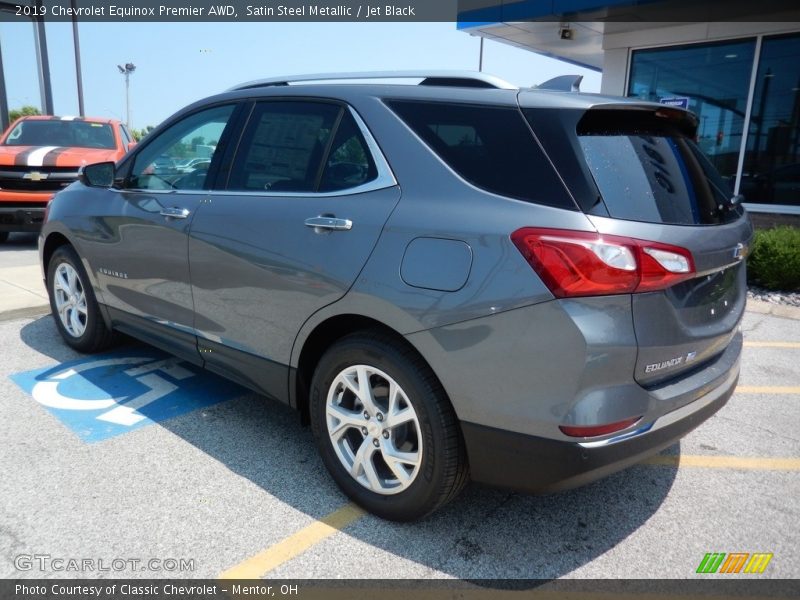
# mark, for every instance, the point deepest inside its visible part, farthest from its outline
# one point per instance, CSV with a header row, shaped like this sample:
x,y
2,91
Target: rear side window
x,y
283,147
653,173
491,147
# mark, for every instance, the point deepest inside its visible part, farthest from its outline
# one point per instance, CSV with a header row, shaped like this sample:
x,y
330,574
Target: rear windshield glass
x,y
491,147
654,174
59,132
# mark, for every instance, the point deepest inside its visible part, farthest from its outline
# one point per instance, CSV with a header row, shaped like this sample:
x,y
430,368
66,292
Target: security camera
x,y
565,33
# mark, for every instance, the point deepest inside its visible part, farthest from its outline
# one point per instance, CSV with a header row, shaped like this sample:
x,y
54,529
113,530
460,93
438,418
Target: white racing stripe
x,y
68,118
36,158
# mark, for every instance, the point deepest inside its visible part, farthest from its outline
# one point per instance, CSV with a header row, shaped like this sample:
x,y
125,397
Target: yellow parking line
x,y
772,344
726,462
768,389
265,561
285,550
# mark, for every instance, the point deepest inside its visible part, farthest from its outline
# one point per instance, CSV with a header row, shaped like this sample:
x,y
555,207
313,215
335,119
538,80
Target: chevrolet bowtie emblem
x,y
36,176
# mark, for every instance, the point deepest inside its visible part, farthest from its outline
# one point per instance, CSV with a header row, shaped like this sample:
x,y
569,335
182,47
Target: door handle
x,y
329,223
175,212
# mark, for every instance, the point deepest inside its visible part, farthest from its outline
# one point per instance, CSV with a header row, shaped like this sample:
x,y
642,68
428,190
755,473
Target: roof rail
x,y
443,78
562,83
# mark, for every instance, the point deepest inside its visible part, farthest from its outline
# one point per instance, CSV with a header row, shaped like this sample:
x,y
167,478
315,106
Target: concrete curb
x,y
25,312
776,310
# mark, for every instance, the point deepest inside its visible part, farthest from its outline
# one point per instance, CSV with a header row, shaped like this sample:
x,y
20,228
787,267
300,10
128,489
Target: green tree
x,y
25,111
198,141
138,134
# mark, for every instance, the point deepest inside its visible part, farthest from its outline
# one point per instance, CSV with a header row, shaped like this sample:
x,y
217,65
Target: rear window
x,y
58,132
652,171
491,147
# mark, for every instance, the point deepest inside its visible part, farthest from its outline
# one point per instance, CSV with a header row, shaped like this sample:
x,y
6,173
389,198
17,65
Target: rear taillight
x,y
580,263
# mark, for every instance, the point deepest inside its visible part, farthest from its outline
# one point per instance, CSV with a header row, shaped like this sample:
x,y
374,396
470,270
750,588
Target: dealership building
x,y
741,77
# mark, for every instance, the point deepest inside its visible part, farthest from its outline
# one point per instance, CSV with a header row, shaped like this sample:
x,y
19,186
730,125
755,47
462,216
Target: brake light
x,y
580,263
596,430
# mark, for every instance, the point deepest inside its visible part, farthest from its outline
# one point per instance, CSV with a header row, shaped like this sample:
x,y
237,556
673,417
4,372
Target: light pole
x,y
127,70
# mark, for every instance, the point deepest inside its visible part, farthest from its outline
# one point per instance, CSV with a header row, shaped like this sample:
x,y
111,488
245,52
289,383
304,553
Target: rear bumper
x,y
19,216
540,465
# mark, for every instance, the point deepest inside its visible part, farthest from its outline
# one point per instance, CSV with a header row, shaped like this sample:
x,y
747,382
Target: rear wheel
x,y
73,303
385,428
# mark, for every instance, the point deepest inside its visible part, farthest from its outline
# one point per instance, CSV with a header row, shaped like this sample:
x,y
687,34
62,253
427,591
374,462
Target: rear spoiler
x,y
626,117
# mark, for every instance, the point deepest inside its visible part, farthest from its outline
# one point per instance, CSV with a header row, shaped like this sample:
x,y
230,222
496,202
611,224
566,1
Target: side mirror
x,y
131,146
97,175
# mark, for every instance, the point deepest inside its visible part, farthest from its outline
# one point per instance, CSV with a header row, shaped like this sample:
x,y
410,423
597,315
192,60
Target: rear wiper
x,y
732,204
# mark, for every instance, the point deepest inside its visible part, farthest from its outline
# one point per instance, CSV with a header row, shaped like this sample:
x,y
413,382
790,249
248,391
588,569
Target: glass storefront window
x,y
771,171
712,80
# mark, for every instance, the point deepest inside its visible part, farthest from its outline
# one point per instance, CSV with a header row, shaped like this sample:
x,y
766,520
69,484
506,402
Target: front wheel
x,y
385,428
73,303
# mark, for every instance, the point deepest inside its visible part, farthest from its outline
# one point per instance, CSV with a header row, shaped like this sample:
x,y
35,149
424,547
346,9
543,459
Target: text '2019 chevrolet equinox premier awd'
x,y
449,280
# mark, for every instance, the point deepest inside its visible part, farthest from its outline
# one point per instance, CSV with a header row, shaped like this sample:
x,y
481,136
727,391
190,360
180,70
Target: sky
x,y
178,63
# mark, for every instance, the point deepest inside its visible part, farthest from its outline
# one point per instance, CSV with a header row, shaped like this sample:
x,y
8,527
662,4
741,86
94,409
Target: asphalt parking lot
x,y
212,481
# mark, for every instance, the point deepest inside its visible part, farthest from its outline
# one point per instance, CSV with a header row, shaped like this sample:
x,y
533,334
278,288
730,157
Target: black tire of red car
x,y
96,335
3,236
443,469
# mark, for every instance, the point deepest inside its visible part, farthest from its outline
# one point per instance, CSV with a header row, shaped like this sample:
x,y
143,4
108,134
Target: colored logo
x,y
736,562
111,394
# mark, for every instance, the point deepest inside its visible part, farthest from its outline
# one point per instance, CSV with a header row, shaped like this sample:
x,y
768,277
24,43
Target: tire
x,y
408,458
74,305
3,236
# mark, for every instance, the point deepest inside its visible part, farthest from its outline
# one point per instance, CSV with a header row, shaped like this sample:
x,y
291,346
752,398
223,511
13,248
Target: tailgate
x,y
636,171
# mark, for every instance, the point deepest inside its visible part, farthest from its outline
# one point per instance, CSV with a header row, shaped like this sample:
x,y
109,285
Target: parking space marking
x,y
725,462
294,545
106,395
269,559
772,344
768,389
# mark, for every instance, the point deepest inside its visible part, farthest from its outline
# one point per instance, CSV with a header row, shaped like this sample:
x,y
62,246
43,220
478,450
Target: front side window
x,y
179,158
123,133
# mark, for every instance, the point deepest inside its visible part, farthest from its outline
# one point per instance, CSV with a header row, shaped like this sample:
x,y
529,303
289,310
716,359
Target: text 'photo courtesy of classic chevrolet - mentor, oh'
x,y
448,277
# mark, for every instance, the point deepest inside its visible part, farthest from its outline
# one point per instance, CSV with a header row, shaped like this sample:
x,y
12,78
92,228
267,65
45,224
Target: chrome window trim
x,y
385,178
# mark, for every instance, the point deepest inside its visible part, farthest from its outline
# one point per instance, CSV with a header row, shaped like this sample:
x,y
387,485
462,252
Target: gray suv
x,y
450,280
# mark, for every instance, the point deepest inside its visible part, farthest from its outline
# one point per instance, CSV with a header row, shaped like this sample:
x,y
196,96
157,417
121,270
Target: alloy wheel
x,y
374,429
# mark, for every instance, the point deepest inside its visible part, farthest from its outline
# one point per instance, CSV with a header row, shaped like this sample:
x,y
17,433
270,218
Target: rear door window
x,y
489,146
283,147
349,161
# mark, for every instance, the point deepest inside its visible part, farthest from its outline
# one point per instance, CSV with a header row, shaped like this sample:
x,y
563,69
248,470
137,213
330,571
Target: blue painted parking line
x,y
110,394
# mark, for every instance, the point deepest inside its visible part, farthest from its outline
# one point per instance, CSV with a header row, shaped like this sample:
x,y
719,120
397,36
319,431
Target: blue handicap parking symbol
x,y
110,394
